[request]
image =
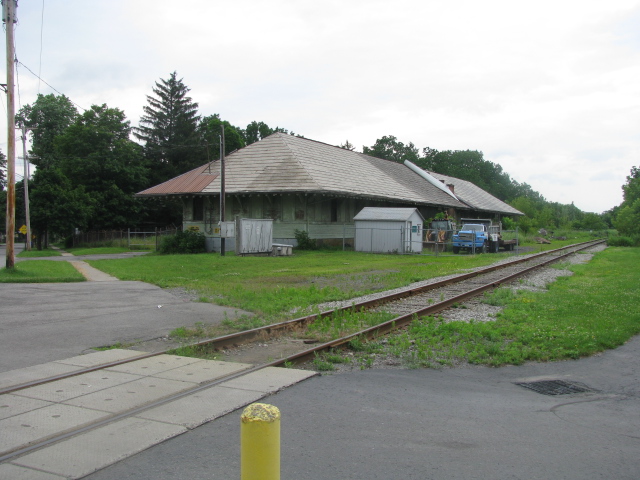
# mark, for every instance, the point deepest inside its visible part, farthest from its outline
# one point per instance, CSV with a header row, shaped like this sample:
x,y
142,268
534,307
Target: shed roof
x,y
387,214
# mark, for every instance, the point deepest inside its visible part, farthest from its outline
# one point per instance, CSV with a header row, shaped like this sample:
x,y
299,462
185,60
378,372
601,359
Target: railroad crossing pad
x,y
42,412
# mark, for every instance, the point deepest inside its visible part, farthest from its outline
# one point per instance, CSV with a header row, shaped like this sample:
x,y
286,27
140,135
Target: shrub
x,y
183,242
623,241
304,242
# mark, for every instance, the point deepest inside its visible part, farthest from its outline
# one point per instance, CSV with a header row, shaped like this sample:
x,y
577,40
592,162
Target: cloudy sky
x,y
550,90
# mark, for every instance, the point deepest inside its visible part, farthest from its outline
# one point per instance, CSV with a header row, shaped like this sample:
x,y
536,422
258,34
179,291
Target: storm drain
x,y
556,387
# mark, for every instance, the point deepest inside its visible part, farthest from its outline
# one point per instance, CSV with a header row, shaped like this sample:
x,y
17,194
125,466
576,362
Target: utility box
x,y
388,230
227,229
281,250
253,236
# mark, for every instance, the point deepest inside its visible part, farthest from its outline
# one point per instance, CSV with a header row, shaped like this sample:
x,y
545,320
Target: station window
x,y
198,209
334,210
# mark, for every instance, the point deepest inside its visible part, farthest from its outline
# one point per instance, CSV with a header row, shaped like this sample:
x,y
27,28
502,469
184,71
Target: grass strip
x,y
41,271
593,310
47,252
102,250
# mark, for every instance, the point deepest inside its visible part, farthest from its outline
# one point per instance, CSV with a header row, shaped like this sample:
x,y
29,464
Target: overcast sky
x,y
550,90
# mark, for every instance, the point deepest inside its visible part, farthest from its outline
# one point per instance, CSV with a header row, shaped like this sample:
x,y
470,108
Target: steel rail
x,y
405,319
296,358
240,338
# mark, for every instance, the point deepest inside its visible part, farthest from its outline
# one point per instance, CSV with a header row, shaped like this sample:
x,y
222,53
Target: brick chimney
x,y
450,185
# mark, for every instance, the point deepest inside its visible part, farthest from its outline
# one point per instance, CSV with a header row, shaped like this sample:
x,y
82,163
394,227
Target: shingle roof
x,y
476,197
282,163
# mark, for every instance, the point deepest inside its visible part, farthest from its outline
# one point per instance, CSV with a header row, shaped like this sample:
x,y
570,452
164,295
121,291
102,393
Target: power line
x,y
53,88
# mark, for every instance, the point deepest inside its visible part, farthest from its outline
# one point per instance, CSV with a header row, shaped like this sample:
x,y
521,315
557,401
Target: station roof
x,y
282,163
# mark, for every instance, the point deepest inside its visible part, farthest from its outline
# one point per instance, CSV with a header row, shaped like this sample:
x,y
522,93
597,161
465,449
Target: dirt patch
x,y
263,352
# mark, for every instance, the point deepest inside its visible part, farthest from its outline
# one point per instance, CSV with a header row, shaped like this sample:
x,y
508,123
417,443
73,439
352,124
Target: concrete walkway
x,y
48,411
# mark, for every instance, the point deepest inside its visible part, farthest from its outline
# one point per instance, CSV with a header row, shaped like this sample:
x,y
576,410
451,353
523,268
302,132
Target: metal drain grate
x,y
556,387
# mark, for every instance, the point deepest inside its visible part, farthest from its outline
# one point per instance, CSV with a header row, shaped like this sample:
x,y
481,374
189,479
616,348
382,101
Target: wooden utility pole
x,y
9,17
26,185
222,193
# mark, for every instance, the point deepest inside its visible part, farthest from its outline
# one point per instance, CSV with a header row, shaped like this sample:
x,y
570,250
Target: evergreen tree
x,y
168,129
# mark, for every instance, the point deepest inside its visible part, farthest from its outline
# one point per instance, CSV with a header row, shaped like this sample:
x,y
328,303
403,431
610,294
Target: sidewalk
x,y
48,411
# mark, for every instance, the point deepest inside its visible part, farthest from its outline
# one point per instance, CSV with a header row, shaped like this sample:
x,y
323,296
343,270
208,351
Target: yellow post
x,y
260,442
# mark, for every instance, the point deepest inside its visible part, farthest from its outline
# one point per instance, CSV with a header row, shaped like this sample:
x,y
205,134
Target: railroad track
x,y
405,305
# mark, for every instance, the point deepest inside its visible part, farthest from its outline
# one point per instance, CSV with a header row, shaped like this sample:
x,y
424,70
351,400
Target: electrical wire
x,y
53,88
18,85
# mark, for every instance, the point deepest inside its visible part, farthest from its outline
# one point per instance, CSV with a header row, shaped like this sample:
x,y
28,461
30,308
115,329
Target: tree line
x,y
471,165
88,166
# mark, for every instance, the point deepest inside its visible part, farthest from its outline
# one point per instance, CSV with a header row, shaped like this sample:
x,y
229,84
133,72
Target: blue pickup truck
x,y
481,236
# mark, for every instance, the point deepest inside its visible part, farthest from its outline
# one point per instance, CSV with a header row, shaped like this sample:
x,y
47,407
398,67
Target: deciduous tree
x,y
256,131
210,129
48,117
97,154
390,148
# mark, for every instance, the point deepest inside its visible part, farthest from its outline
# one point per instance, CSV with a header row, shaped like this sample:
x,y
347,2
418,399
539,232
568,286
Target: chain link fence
x,y
132,239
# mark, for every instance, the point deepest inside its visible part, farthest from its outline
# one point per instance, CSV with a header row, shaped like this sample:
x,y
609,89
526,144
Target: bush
x,y
304,242
183,242
623,241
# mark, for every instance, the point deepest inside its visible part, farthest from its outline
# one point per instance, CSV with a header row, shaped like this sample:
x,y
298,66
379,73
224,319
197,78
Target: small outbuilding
x,y
388,230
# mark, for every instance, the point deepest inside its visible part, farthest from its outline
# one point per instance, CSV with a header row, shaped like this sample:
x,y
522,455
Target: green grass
x,y
593,310
341,324
41,271
47,252
100,250
274,286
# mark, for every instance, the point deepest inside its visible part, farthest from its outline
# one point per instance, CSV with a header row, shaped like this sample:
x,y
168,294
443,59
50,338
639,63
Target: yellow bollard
x,y
260,442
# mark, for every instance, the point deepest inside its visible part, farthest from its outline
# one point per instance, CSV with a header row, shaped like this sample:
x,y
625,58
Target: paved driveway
x,y
50,321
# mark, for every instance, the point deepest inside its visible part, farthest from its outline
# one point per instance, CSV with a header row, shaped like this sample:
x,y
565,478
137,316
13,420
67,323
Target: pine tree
x,y
168,129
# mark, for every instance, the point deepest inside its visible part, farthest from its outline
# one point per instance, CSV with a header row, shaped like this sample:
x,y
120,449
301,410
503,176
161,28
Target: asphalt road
x,y
50,321
465,423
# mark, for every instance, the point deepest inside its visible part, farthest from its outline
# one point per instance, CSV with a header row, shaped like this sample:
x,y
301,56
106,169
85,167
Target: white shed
x,y
388,230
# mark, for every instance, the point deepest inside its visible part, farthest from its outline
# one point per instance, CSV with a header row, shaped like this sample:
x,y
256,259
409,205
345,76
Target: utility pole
x,y
26,185
9,18
222,192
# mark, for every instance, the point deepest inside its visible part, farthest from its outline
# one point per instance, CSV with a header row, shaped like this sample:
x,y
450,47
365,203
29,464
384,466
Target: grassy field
x,y
593,310
274,286
41,271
